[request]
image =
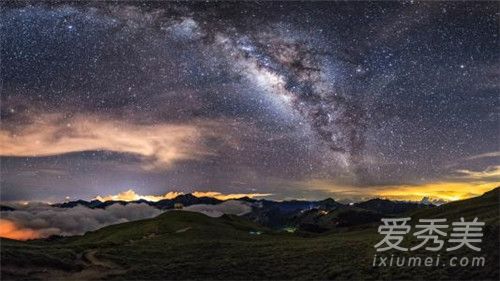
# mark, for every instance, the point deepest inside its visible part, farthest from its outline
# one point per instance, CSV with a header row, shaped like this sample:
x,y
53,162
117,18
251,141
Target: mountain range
x,y
312,216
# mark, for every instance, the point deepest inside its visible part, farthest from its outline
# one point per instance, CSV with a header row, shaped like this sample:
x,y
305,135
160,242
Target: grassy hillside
x,y
184,245
170,223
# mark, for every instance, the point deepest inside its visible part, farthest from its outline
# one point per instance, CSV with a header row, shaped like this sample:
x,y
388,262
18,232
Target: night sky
x,y
298,100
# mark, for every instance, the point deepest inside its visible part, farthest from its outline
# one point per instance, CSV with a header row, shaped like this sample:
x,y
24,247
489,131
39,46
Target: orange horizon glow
x,y
446,191
9,229
221,196
131,195
443,191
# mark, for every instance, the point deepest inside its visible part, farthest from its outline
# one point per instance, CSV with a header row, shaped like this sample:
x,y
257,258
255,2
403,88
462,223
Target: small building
x,y
178,206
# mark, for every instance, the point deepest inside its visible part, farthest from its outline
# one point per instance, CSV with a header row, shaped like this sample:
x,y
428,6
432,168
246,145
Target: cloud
x,y
41,220
9,229
51,134
492,173
38,220
184,29
484,155
489,155
231,207
131,195
222,196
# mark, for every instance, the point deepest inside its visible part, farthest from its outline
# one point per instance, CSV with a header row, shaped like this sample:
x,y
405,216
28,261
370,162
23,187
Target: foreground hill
x,y
192,226
185,245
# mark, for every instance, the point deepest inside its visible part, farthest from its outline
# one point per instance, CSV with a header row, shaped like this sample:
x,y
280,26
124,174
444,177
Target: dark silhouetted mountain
x,y
105,204
318,220
329,204
334,215
92,204
163,204
247,199
385,206
142,201
72,204
6,208
185,200
189,199
276,214
354,216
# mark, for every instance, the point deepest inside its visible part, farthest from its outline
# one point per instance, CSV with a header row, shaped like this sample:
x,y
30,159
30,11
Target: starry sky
x,y
284,100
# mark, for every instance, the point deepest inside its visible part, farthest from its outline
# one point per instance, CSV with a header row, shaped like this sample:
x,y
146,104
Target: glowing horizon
x,y
131,195
441,192
11,230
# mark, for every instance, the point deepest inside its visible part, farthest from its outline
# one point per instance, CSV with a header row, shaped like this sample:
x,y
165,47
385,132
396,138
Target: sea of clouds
x,y
46,220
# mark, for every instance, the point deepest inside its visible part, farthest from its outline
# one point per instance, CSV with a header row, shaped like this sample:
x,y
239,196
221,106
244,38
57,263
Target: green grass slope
x,y
189,225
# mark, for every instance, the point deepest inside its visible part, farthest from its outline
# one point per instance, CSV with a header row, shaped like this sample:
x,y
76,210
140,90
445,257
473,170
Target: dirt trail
x,y
183,230
90,256
96,269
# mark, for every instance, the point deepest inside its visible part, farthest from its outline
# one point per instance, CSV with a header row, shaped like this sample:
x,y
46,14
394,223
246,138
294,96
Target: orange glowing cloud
x,y
222,196
51,134
9,229
131,195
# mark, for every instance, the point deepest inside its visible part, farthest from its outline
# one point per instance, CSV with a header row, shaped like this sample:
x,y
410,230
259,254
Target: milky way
x,y
249,97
